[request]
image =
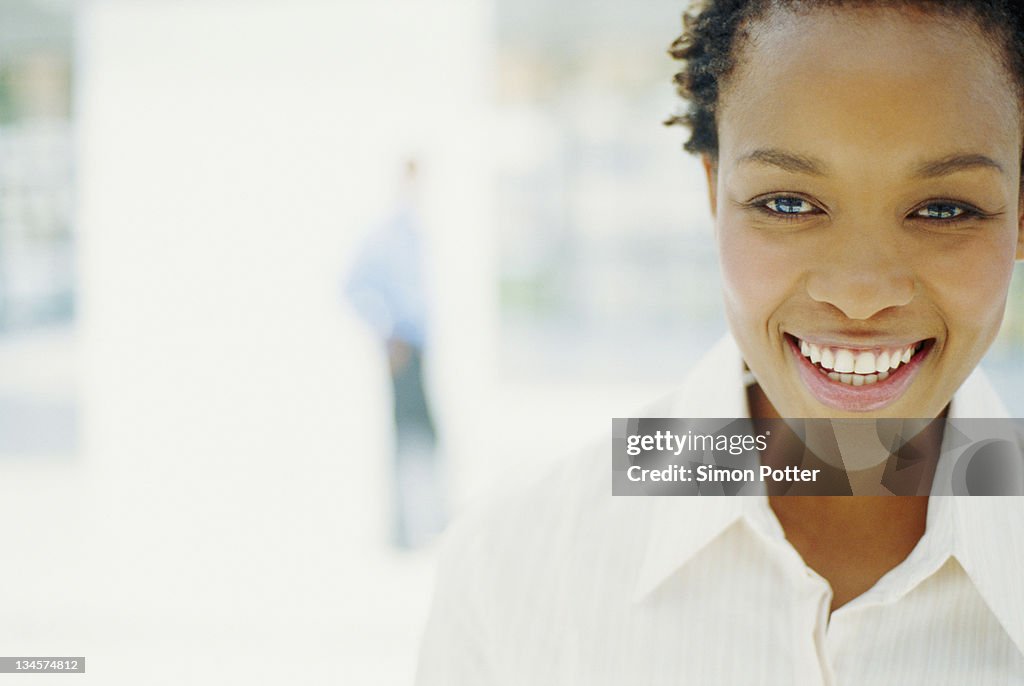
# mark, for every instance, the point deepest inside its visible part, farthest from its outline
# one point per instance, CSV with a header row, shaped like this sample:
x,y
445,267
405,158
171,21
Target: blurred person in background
x,y
387,287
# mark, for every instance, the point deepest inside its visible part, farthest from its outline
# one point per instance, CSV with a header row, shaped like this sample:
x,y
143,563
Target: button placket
x,y
817,601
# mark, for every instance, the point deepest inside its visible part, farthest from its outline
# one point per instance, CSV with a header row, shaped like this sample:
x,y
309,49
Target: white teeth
x,y
865,363
858,379
844,361
853,367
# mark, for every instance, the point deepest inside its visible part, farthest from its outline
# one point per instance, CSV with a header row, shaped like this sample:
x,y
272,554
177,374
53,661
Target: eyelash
x,y
967,212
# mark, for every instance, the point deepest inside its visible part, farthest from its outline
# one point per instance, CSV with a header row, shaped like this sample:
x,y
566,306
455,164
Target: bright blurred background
x,y
195,427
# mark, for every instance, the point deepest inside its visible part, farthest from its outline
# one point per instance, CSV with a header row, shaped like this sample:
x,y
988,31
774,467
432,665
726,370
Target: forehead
x,y
880,81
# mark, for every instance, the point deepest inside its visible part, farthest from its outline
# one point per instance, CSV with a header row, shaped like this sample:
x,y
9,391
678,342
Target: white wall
x,y
231,152
225,523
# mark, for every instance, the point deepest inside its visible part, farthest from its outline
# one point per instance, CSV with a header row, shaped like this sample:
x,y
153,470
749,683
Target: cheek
x,y
757,274
969,283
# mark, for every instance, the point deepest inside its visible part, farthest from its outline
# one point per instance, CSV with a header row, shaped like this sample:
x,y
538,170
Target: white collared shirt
x,y
566,584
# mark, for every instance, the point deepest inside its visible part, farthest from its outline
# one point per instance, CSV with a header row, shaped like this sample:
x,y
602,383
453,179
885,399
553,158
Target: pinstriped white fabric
x,y
565,584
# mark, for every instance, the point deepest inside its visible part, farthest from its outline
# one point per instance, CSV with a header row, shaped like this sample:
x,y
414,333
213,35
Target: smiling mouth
x,y
859,366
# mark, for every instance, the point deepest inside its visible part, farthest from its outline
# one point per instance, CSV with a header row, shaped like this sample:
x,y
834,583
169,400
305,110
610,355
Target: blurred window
x,y
38,400
607,261
36,246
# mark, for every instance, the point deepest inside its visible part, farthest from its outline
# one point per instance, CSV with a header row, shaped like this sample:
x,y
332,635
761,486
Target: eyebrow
x,y
802,164
787,161
957,163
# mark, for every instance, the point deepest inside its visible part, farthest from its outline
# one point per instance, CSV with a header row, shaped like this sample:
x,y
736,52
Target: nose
x,y
862,272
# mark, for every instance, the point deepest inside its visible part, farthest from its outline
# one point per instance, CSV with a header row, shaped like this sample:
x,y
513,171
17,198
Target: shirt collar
x,y
979,531
989,546
714,387
986,529
986,538
983,534
977,399
679,528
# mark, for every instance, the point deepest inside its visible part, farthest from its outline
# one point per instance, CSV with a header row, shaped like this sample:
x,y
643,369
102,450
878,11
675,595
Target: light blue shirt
x,y
386,283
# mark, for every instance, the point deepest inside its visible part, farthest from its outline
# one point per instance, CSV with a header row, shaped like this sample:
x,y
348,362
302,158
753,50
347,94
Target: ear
x,y
711,172
1020,229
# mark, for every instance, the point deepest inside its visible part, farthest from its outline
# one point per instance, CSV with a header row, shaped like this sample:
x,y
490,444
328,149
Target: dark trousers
x,y
418,494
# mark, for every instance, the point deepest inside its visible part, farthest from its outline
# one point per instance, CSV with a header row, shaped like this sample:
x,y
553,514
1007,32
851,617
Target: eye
x,y
789,205
941,210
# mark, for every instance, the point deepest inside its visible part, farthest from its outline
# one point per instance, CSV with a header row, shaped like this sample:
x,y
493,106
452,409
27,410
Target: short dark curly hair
x,y
713,28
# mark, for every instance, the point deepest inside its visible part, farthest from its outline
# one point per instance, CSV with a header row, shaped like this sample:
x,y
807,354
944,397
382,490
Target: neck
x,y
853,457
851,542
867,517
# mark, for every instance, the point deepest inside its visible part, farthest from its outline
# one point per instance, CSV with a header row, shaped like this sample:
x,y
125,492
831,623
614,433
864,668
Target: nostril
x,y
860,296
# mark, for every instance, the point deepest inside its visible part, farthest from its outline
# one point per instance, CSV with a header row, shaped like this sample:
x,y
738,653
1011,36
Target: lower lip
x,y
864,398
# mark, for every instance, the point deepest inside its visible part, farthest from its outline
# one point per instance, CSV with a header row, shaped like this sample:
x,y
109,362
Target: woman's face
x,y
867,208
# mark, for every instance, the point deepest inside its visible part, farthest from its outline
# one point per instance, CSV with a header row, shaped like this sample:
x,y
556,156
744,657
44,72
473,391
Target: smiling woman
x,y
871,204
863,162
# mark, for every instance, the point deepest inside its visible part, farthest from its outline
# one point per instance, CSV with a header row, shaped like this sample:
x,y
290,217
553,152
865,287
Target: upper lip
x,y
857,341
